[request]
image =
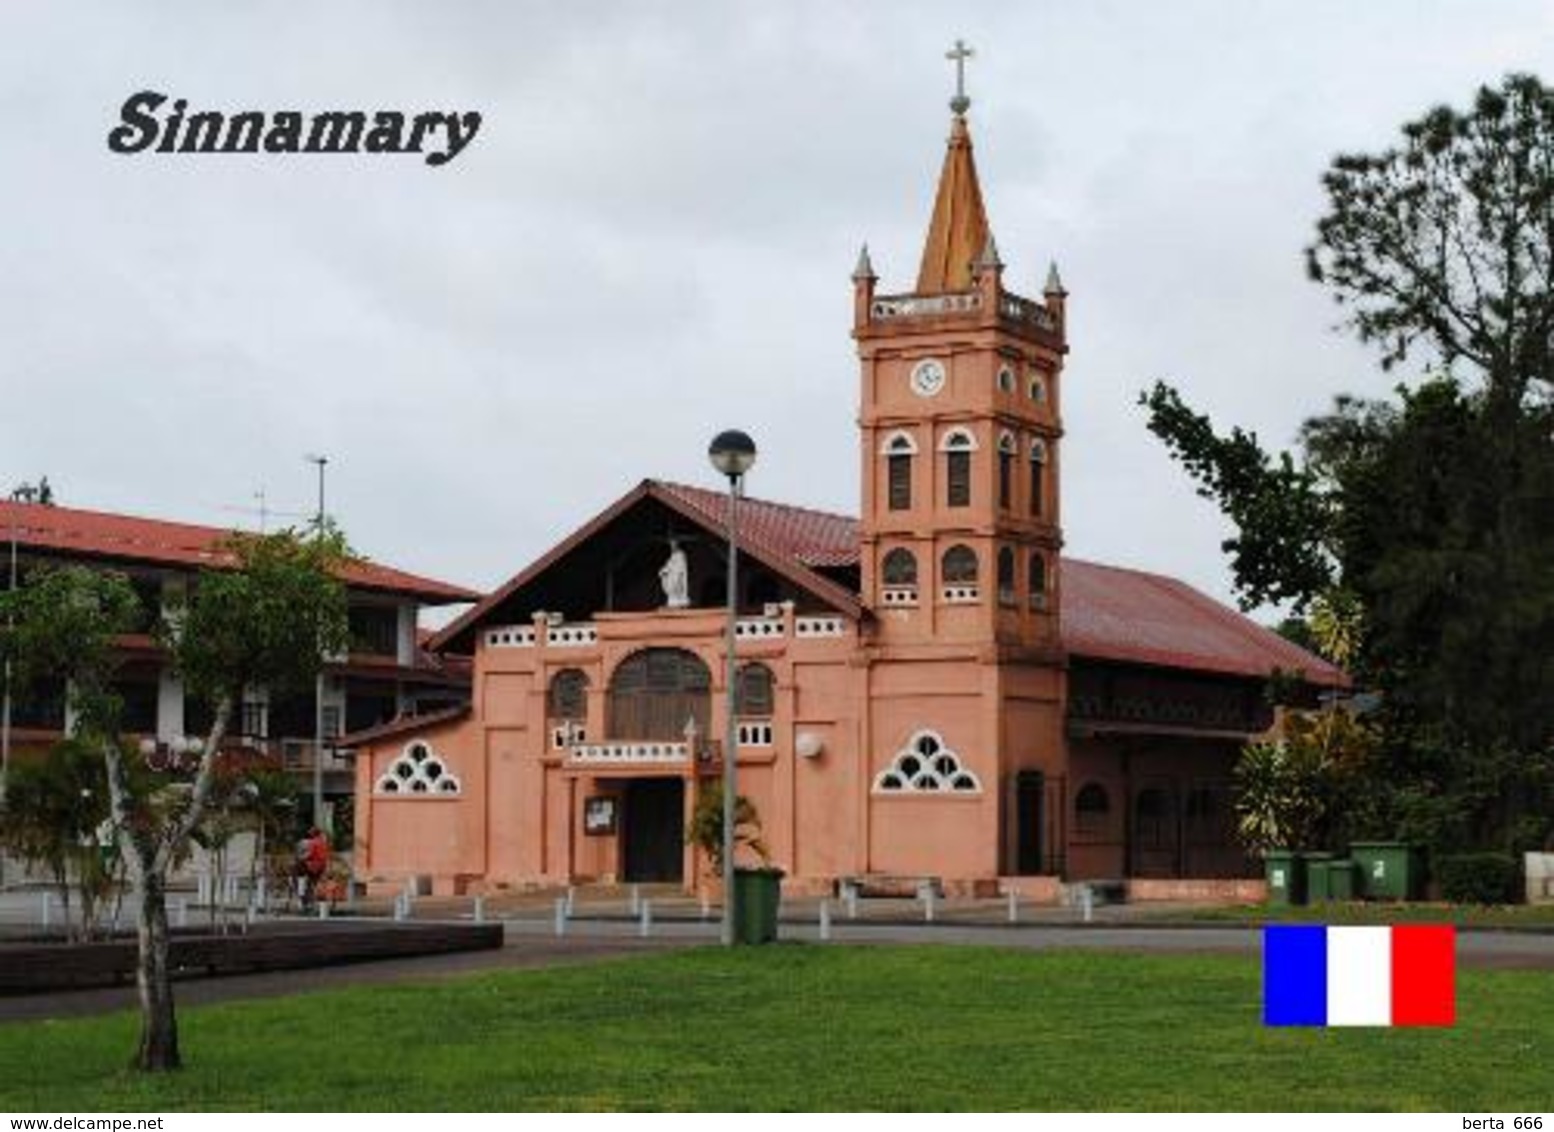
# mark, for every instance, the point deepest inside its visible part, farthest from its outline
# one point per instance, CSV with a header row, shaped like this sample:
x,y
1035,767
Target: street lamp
x,y
733,454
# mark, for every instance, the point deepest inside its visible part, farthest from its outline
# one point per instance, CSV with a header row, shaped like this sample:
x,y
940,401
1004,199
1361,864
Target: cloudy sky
x,y
650,239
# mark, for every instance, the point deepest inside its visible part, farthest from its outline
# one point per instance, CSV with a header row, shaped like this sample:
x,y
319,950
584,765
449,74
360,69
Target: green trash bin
x,y
1286,877
1316,876
1340,879
757,897
1389,870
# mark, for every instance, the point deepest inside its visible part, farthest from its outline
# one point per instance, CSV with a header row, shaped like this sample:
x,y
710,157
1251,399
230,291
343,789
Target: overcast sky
x,y
650,239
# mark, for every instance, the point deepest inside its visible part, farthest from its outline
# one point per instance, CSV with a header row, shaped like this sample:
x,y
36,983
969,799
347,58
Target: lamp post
x,y
733,454
318,687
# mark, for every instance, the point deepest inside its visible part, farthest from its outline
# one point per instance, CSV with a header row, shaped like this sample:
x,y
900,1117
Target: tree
x,y
1446,241
267,618
1419,533
55,810
705,831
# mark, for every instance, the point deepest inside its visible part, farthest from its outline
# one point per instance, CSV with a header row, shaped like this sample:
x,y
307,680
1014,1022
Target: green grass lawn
x,y
1356,912
806,1027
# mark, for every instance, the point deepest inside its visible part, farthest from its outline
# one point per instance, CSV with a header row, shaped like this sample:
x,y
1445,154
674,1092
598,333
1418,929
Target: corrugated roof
x,y
130,539
1108,612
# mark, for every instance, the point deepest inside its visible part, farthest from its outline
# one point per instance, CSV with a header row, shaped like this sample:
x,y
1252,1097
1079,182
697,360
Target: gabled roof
x,y
1108,613
958,232
790,541
127,539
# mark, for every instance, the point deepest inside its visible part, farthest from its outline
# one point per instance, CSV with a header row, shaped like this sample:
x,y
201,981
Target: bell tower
x,y
960,431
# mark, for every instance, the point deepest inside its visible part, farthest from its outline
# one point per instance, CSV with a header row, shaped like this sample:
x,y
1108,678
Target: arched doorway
x,y
654,692
652,695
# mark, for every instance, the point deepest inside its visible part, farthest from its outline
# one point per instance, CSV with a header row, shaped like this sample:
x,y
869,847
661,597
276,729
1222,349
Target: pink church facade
x,y
931,690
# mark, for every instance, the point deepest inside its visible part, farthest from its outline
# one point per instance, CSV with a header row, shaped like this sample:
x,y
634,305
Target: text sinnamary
x,y
440,136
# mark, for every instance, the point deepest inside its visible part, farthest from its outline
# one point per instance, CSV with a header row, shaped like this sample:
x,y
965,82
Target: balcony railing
x,y
651,751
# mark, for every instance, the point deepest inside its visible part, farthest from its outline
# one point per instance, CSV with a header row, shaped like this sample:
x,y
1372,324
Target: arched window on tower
x,y
958,445
1038,477
899,450
1006,450
898,573
1038,582
1006,576
958,571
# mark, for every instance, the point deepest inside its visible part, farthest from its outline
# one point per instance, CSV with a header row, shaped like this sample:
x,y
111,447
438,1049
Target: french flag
x,y
1322,976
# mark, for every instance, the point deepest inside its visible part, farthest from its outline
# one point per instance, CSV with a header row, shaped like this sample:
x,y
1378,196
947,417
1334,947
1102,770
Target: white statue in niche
x,y
675,577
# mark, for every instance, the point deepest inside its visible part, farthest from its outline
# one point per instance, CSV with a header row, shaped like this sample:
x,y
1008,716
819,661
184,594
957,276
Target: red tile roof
x,y
70,532
816,539
1108,612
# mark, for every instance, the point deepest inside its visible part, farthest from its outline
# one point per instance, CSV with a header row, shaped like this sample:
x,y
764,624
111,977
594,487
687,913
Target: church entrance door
x,y
653,830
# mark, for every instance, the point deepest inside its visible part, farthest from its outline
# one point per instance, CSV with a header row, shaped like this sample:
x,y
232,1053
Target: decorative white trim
x,y
510,637
898,595
958,440
758,627
898,443
1007,443
926,766
418,772
960,594
820,627
615,753
576,635
757,734
1038,451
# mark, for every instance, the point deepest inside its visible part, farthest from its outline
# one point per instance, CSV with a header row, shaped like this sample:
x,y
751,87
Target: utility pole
x,y
318,690
5,701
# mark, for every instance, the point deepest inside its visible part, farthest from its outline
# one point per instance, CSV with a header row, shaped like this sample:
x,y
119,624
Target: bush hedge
x,y
1479,878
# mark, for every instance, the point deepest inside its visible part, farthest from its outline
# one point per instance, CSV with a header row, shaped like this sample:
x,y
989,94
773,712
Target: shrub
x,y
1479,878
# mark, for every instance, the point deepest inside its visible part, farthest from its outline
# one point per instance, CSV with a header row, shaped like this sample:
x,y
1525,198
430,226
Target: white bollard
x,y
561,916
1014,907
571,901
399,908
825,920
928,905
183,912
645,924
250,915
480,909
323,909
706,907
851,896
48,900
636,900
1087,902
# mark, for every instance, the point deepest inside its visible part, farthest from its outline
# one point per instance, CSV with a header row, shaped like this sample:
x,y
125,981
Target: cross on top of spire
x,y
958,55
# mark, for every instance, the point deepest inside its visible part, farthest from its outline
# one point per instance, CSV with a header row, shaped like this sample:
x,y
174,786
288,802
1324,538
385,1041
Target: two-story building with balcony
x,y
388,672
929,690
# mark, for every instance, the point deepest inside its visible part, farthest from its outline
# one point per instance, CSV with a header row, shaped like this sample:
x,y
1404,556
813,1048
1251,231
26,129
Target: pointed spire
x,y
958,231
865,268
1054,281
989,257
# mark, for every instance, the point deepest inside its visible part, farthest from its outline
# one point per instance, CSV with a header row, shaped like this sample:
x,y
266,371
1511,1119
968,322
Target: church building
x,y
931,690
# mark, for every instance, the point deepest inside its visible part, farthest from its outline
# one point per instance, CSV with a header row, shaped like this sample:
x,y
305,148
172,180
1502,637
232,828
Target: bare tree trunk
x,y
158,1048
